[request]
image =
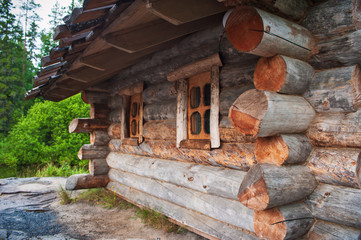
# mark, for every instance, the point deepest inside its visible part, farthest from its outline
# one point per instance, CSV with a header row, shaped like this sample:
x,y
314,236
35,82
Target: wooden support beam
x,y
336,204
265,113
98,167
81,15
88,151
57,52
61,31
283,149
85,181
341,166
180,12
91,4
286,222
323,230
68,41
257,32
47,61
182,111
266,186
85,125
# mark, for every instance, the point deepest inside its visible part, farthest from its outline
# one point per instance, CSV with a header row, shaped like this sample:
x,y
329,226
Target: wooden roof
x,y
106,36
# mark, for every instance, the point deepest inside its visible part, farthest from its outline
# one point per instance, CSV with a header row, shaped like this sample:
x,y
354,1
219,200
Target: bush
x,y
41,137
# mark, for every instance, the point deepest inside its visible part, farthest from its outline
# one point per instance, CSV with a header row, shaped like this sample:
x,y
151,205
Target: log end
x,y
269,224
71,182
243,122
86,181
244,28
270,73
272,150
73,126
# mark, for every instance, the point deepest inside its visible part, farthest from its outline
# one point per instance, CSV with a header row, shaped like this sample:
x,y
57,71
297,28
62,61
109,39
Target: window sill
x,y
201,144
130,141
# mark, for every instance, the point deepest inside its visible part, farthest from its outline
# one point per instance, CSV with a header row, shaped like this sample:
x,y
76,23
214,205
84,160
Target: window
x,y
134,115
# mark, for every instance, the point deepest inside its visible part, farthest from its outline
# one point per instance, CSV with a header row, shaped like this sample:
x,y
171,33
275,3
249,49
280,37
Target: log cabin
x,y
237,119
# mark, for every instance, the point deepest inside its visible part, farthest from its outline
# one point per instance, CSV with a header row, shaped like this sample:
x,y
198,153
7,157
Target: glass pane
x,y
134,109
196,123
207,94
195,98
133,127
207,125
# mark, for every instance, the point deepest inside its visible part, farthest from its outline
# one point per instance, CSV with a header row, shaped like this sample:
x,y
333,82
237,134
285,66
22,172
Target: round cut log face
x,y
255,196
271,150
244,28
269,224
270,73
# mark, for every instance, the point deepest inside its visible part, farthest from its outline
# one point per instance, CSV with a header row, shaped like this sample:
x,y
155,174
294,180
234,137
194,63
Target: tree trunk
x,y
160,111
283,149
85,181
88,151
115,131
98,167
266,186
336,90
160,130
336,204
283,74
286,222
99,111
216,181
228,96
86,125
255,31
325,230
160,93
99,138
336,166
265,113
336,130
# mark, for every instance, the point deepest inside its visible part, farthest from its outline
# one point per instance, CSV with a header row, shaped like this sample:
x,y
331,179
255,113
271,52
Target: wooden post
x,y
257,32
283,149
181,116
99,138
85,181
214,111
339,166
286,222
266,186
325,230
336,90
264,113
98,167
336,204
85,125
88,151
283,74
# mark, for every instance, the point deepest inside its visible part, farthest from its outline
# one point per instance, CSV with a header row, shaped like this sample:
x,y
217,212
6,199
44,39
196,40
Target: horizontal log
x,y
132,90
339,166
85,125
239,73
255,31
115,102
265,113
98,167
160,130
130,142
283,149
229,95
193,221
159,93
99,138
85,181
160,111
88,151
209,205
336,130
115,116
91,97
266,186
115,131
99,111
231,135
233,155
217,181
200,144
336,204
283,74
286,222
336,90
325,230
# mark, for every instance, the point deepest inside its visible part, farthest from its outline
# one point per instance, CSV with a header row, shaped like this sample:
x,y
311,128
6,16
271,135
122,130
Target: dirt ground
x,y
30,209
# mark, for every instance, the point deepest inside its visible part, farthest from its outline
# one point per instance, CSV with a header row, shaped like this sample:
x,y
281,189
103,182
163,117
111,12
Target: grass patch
x,y
65,198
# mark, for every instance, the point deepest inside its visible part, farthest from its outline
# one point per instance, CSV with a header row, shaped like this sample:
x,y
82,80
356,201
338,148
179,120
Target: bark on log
x,y
237,156
286,222
255,31
99,111
194,221
336,130
338,51
160,130
325,230
209,205
228,96
217,181
341,17
91,97
283,74
283,149
88,151
266,186
85,181
99,138
336,204
231,135
115,102
98,167
237,74
264,113
160,111
115,116
336,166
85,125
115,131
336,90
160,93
